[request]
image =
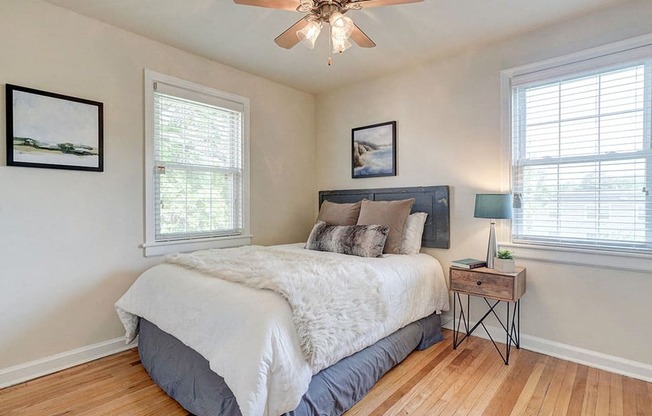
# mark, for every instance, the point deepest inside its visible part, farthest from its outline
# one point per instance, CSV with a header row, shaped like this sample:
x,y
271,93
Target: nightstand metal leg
x,y
468,315
515,328
511,326
463,318
518,328
508,340
454,327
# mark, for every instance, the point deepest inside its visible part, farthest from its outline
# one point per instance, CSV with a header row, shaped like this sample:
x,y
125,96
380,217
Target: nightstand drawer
x,y
498,286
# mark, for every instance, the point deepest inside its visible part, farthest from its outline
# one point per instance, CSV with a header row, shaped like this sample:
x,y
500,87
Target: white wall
x,y
449,133
69,241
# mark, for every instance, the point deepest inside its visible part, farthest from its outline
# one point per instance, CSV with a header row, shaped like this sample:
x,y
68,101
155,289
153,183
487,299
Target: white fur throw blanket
x,y
336,303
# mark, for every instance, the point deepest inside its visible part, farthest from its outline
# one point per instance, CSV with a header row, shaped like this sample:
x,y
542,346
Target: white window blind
x,y
582,157
197,164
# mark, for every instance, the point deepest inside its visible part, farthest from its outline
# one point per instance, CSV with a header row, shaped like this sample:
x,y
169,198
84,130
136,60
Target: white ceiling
x,y
242,36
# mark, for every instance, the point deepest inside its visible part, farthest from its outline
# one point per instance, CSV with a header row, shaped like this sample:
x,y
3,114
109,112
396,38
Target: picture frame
x,y
373,150
55,131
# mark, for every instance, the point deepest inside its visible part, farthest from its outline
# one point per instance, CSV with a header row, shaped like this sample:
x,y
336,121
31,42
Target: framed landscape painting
x,y
48,130
374,150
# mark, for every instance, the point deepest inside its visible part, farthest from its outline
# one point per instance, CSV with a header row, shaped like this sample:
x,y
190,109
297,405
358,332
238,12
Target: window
x,y
196,167
582,153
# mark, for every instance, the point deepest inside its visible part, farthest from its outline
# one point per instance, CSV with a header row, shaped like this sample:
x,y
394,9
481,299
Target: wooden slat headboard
x,y
431,199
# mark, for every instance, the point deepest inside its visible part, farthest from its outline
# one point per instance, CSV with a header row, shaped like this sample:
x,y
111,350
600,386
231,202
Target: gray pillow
x,y
356,240
339,214
393,214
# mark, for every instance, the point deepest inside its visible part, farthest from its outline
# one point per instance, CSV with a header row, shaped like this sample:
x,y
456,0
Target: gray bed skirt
x,y
185,375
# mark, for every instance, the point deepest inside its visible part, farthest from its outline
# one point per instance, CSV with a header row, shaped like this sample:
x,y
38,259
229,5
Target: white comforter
x,y
248,335
334,317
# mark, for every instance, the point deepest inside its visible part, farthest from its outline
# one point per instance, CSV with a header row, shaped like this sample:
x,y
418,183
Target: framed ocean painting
x,y
374,150
48,130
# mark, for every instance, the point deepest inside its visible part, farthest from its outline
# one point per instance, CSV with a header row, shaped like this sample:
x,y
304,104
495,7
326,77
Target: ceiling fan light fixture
x,y
308,35
305,6
331,12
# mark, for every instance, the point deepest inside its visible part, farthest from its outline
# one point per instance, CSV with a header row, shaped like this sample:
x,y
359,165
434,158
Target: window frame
x,y
583,61
156,248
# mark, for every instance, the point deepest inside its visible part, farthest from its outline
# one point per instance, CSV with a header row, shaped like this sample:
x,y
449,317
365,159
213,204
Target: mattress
x,y
186,376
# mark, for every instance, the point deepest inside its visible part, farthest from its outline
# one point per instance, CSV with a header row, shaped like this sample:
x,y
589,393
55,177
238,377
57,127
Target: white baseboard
x,y
48,365
567,352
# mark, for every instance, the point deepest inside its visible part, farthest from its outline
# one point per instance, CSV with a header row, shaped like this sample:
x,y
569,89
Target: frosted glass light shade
x,y
340,45
308,35
341,26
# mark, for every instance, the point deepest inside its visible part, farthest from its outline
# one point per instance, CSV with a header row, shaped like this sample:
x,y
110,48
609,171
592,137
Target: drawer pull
x,y
478,283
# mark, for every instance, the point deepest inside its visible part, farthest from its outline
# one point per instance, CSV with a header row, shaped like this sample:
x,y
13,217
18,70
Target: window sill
x,y
169,247
641,263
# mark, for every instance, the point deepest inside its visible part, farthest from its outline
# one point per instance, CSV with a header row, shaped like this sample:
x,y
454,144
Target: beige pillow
x,y
413,233
393,214
339,214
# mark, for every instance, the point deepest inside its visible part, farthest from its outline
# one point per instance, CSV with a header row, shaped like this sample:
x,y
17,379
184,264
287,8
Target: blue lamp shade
x,y
493,206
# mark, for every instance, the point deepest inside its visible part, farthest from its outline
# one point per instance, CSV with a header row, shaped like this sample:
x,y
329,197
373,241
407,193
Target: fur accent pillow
x,y
339,214
356,240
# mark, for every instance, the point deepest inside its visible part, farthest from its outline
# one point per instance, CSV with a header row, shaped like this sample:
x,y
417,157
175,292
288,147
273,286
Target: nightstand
x,y
494,287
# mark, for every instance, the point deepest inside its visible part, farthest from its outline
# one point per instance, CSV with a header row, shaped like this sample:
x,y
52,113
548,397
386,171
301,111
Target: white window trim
x,y
602,259
153,248
635,47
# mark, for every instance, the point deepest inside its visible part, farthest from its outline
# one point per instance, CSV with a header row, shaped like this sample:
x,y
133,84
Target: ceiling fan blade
x,y
271,4
377,3
361,38
289,38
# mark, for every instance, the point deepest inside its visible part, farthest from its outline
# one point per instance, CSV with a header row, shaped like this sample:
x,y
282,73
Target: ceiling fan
x,y
319,12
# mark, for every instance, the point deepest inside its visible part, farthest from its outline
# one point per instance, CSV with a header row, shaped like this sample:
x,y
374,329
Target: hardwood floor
x,y
471,380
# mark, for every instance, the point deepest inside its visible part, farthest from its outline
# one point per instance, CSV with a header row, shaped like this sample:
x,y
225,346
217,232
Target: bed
x,y
324,333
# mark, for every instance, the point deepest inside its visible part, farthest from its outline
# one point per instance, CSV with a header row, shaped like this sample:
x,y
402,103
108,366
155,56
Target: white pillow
x,y
411,243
